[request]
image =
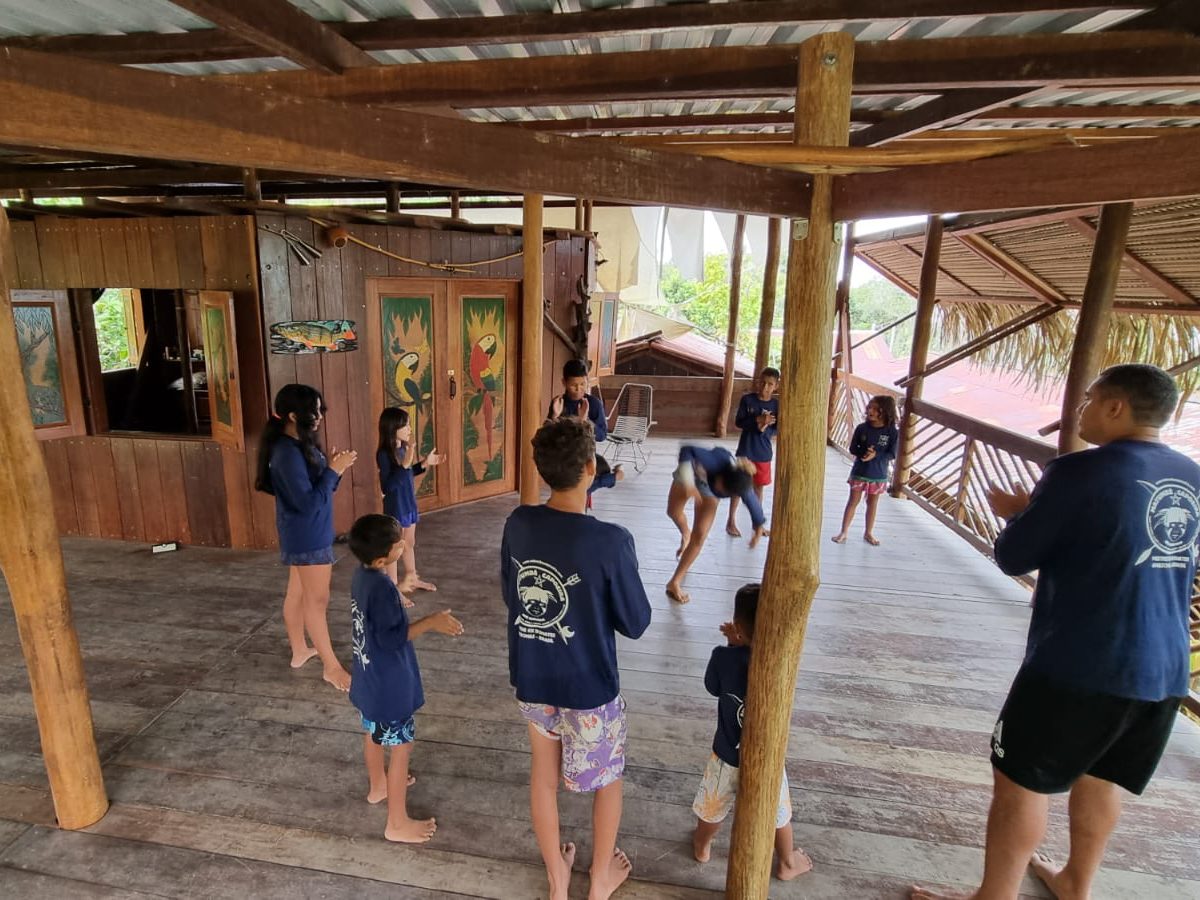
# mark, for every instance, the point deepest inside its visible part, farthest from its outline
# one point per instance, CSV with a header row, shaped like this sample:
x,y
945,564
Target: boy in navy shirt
x,y
1113,533
571,585
758,417
385,685
726,678
576,401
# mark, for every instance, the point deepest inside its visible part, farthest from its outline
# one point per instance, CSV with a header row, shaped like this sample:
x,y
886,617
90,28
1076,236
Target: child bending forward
x,y
385,685
726,679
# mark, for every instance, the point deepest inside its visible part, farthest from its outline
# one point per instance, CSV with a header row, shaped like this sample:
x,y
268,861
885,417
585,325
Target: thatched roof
x,y
1047,255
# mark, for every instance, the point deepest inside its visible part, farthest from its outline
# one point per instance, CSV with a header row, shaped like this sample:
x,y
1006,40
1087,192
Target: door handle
x,y
453,385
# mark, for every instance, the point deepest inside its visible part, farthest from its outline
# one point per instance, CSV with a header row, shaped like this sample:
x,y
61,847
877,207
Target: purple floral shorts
x,y
593,741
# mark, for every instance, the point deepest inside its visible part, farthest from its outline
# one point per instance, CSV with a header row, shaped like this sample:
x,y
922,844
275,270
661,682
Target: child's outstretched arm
x,y
745,418
441,622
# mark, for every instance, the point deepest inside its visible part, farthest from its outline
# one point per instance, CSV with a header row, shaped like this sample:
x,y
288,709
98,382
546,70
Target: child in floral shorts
x,y
571,584
726,679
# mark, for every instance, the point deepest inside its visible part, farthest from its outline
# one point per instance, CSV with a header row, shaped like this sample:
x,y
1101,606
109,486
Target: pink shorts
x,y
593,741
868,487
762,473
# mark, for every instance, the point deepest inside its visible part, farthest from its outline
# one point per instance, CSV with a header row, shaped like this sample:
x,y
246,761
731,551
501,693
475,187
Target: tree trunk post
x,y
919,357
1095,316
455,205
393,197
793,556
31,558
579,214
735,302
532,414
587,215
766,319
843,358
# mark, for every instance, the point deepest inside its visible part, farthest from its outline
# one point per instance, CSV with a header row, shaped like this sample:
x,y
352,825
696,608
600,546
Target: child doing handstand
x,y
726,679
385,686
873,446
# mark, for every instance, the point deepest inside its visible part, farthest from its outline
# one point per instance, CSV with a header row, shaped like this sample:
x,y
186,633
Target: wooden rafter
x,y
97,107
1139,267
417,34
277,28
1009,265
659,124
918,66
942,272
1072,113
948,109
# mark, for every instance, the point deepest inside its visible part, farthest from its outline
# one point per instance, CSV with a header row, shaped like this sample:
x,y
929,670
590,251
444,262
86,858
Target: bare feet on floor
x,y
411,831
407,602
788,869
424,585
1050,874
607,878
678,594
701,848
839,539
924,893
560,879
338,677
732,530
378,795
871,539
683,542
299,659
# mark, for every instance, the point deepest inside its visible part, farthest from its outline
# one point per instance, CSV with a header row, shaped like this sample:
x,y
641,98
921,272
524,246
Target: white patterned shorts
x,y
718,789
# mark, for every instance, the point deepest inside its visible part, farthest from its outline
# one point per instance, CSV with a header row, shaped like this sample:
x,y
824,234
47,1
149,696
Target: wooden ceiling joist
x,y
110,109
417,34
1124,113
277,28
917,66
1139,267
665,124
948,109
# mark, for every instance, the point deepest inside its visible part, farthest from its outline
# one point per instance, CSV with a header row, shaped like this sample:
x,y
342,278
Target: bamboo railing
x,y
955,457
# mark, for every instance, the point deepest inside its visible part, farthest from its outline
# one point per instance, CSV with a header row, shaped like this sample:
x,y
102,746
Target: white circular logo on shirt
x,y
1172,516
542,590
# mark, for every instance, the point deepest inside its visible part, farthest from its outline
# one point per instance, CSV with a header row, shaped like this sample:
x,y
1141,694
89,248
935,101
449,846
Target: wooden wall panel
x,y
54,259
189,253
362,437
204,487
83,483
29,264
163,254
139,253
150,487
112,249
90,254
104,477
133,523
58,467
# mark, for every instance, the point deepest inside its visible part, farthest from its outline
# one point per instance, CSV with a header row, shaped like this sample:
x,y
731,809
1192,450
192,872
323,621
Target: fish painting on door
x,y
484,414
407,338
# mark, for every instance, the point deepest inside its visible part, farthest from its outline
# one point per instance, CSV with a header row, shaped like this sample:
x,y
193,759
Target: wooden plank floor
x,y
233,776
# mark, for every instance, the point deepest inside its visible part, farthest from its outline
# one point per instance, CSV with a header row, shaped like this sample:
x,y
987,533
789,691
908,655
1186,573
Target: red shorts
x,y
762,473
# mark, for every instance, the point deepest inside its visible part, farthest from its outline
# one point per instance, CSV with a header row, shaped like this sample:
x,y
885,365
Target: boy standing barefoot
x,y
571,584
385,685
726,678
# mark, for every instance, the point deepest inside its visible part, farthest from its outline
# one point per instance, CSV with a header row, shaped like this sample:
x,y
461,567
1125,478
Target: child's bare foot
x,y
338,677
871,539
797,865
839,538
701,847
407,602
607,878
378,795
683,542
1050,874
676,593
420,585
922,893
411,831
560,878
299,659
732,530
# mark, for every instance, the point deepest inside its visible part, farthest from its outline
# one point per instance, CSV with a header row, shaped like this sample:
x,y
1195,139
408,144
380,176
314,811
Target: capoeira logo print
x,y
542,590
1172,523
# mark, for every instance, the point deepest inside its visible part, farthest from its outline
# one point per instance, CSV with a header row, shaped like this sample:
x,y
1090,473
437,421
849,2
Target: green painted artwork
x,y
407,336
218,367
38,345
483,341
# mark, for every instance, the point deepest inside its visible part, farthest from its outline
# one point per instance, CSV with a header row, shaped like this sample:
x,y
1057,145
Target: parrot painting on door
x,y
407,389
484,379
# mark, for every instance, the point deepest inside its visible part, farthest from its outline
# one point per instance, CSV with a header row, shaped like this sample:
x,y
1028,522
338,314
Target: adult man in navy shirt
x,y
1113,534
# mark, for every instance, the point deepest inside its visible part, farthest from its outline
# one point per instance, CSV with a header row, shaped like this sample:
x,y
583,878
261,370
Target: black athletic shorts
x,y
1048,736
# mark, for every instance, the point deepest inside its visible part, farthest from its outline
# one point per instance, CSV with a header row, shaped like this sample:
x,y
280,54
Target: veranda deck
x,y
233,776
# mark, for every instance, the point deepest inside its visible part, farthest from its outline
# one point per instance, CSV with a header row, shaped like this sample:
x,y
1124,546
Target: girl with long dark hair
x,y
396,457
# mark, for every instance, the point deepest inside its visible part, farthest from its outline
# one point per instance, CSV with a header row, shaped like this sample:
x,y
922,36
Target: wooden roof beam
x,y
1155,169
111,109
948,109
1066,113
1012,267
1139,267
661,124
278,28
417,34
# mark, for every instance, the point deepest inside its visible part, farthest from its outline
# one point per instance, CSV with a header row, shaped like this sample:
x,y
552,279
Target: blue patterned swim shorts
x,y
390,734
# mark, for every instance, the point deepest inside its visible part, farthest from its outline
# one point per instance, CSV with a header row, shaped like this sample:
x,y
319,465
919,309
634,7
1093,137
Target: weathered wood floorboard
x,y
231,771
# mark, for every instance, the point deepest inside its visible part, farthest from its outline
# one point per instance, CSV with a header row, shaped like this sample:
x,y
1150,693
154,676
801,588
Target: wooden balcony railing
x,y
954,459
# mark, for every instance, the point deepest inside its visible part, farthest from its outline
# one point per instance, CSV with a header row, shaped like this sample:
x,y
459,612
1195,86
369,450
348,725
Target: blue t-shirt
x,y
396,482
303,497
884,440
595,413
754,444
1113,534
726,678
385,683
571,584
714,462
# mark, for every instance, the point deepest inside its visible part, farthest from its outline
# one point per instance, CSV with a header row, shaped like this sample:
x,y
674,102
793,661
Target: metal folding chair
x,y
634,411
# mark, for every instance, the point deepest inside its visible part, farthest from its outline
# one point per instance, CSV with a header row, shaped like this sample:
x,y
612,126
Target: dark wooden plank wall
x,y
683,404
334,287
147,488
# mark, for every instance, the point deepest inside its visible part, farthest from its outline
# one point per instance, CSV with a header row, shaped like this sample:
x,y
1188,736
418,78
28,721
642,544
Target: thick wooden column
x,y
455,205
587,215
393,197
793,555
31,559
843,358
1095,316
919,357
532,414
766,319
735,302
251,185
579,214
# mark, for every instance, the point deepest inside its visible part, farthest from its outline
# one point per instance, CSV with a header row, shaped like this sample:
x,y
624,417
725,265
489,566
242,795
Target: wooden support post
x,y
843,356
31,559
393,198
793,557
735,302
766,320
1095,316
253,189
587,215
917,360
579,214
455,205
532,414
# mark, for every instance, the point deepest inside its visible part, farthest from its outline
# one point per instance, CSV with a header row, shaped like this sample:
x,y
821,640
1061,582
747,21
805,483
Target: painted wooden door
x,y
221,366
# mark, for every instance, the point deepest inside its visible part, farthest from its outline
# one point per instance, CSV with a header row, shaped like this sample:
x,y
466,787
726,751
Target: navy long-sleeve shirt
x,y
754,444
726,678
396,483
595,414
571,584
303,497
884,440
1113,534
385,682
711,463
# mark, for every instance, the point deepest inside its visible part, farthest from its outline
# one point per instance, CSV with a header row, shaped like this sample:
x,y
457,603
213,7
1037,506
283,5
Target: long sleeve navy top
x,y
711,463
754,444
303,497
385,682
884,440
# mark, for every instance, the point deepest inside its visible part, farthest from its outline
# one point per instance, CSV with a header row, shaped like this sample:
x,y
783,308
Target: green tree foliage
x,y
111,334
